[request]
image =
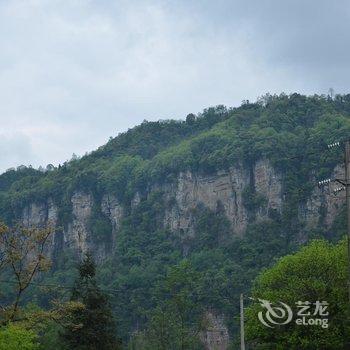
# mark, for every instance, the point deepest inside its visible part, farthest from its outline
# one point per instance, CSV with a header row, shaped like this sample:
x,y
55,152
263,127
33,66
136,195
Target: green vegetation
x,y
176,322
14,337
166,280
317,272
92,326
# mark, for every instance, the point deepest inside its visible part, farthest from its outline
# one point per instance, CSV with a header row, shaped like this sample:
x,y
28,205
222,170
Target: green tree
x,y
21,259
316,272
15,337
93,326
175,323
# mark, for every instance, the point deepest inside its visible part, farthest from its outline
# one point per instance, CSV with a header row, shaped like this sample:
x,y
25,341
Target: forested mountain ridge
x,y
228,191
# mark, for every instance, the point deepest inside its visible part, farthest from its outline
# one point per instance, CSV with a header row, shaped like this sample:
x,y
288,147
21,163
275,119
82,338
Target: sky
x,y
74,73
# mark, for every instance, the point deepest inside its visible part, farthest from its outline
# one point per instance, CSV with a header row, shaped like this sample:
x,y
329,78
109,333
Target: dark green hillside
x,y
151,269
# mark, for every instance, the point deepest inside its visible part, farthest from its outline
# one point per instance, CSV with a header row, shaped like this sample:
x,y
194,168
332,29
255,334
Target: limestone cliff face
x,y
225,189
323,205
268,183
77,232
215,335
41,215
111,207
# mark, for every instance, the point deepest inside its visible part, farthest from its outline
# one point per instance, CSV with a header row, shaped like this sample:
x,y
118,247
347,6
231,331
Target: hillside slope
x,y
229,189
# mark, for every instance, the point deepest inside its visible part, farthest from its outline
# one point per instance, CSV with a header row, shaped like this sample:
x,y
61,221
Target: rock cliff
x,y
227,189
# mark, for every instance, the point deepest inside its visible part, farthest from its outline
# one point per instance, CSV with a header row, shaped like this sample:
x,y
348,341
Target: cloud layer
x,y
73,73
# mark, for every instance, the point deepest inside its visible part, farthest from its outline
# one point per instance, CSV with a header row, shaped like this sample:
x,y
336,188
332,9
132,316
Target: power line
x,y
58,286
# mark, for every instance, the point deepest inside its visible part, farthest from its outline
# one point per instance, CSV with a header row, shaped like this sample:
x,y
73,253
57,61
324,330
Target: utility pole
x,y
347,189
242,322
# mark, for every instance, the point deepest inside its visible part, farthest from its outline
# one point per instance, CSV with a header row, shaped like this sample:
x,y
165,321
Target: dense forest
x,y
160,283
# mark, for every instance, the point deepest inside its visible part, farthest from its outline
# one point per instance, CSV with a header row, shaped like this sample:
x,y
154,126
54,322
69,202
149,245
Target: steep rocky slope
x,y
224,190
252,163
221,195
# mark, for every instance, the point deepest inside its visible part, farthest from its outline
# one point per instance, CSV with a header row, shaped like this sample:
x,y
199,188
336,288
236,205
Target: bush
x,y
14,337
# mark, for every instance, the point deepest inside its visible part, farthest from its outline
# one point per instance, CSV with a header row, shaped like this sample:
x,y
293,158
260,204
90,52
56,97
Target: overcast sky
x,y
75,72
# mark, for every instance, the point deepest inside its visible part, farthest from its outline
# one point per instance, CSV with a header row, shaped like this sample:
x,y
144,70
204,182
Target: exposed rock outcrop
x,y
268,183
111,207
77,232
323,205
224,189
40,214
215,336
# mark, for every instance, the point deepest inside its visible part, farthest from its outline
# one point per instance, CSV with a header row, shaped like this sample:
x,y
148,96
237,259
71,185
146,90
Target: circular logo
x,y
277,314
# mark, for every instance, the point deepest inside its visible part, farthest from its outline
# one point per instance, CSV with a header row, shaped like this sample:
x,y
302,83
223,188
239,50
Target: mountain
x,y
229,190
